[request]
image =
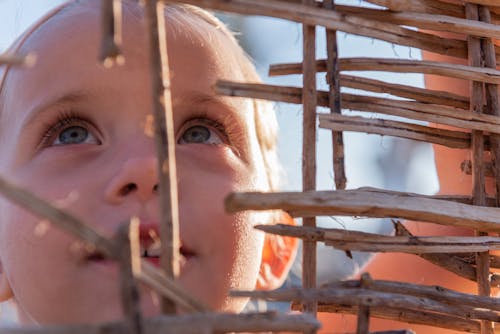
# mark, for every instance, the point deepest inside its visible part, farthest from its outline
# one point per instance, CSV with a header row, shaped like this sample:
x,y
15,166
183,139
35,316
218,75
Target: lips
x,y
150,246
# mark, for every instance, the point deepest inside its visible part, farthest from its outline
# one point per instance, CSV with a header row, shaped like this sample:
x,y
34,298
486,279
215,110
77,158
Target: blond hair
x,y
266,125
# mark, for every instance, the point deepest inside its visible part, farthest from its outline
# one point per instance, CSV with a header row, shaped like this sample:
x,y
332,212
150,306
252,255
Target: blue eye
x,y
196,134
70,131
201,134
72,135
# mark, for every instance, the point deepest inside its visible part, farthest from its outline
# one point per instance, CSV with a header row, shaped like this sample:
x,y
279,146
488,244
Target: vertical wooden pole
x,y
309,150
334,101
363,325
478,179
165,143
129,261
111,23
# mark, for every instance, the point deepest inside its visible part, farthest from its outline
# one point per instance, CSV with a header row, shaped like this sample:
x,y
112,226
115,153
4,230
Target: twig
x,y
374,299
405,315
17,60
353,24
449,138
369,242
363,324
478,178
368,204
190,324
165,143
111,22
67,222
334,101
129,250
309,101
398,65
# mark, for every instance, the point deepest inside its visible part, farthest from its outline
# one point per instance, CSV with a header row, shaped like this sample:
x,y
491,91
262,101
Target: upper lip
x,y
149,238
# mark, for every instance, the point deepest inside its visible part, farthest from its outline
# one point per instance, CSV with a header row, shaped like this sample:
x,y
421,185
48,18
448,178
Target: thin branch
x,y
165,143
368,204
111,22
191,324
398,65
17,60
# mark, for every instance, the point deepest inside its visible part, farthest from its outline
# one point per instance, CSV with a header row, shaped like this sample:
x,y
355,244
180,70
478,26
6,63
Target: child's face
x,y
78,135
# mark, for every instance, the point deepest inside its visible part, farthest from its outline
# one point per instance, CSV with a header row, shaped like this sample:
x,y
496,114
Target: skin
x,y
89,178
409,268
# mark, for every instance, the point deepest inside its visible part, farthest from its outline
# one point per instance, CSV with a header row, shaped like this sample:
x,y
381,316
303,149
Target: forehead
x,y
68,44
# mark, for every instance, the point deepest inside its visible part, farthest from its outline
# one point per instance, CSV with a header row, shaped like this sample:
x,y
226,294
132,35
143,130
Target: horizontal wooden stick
x,y
332,20
294,94
437,22
369,242
67,222
450,262
13,60
464,72
448,138
190,324
404,315
447,115
368,204
373,299
422,6
442,294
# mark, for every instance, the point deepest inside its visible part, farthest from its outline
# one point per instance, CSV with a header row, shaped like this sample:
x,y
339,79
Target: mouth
x,y
150,247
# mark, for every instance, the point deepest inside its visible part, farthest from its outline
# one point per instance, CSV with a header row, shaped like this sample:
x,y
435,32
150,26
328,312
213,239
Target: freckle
x,y
149,126
41,228
154,297
76,246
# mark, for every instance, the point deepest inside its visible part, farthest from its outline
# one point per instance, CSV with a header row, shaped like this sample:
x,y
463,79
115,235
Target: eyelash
x,y
69,117
205,120
63,120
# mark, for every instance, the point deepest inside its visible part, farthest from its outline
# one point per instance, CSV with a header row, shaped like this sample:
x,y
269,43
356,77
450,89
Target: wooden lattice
x,y
477,117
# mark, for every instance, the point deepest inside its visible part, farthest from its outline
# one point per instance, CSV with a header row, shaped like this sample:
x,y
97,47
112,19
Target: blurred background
x,y
371,160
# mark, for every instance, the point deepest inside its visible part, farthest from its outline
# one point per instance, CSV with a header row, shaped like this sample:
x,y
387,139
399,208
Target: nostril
x,y
155,188
128,189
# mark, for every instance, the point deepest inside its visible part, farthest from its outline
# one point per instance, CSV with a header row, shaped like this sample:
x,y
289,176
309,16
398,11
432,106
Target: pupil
x,y
73,135
196,134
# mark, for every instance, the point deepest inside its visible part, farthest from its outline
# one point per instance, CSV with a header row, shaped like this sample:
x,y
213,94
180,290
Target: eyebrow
x,y
38,113
202,98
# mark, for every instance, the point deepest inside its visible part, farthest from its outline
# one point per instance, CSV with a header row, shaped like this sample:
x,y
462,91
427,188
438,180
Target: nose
x,y
136,177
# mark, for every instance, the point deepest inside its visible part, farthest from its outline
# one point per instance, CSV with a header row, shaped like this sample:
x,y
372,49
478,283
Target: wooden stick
x,y
466,167
422,6
442,294
334,101
492,98
435,22
309,149
58,217
398,65
450,262
165,143
478,178
67,222
363,324
352,24
190,324
111,22
368,204
374,299
414,110
17,60
405,315
449,138
369,242
128,244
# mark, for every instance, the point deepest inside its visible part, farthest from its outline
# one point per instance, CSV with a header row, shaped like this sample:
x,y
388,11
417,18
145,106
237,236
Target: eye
x,y
211,133
75,135
70,130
